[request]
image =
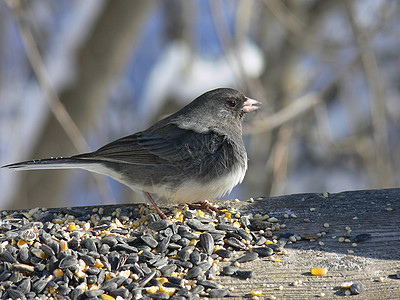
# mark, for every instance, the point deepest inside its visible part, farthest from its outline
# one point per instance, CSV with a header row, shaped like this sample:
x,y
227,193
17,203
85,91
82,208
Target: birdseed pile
x,y
130,253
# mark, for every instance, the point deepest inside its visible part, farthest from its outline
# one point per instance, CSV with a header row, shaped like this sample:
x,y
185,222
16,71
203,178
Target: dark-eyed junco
x,y
195,154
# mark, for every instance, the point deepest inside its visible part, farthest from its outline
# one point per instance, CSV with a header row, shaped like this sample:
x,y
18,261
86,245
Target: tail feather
x,y
52,163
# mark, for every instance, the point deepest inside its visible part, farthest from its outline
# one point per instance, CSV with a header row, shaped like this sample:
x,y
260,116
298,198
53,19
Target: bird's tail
x,y
52,163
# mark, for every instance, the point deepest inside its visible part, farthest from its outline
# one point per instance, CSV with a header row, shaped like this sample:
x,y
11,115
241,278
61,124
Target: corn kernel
x,y
256,293
169,291
107,297
63,245
152,289
58,272
319,271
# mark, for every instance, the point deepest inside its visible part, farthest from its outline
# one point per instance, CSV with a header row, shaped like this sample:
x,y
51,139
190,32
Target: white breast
x,y
194,191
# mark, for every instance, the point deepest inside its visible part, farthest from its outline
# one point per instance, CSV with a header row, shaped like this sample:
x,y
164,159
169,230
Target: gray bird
x,y
195,154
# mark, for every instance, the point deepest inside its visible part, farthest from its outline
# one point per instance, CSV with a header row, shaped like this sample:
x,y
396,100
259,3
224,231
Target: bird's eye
x,y
231,103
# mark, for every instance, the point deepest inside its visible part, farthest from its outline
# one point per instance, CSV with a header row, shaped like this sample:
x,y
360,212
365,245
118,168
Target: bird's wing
x,y
161,145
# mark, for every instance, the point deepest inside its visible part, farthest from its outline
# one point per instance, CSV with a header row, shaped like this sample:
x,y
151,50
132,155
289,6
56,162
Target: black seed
x,y
126,248
245,221
76,293
5,275
217,234
275,247
264,251
73,243
109,286
101,227
94,293
47,249
149,241
195,257
25,285
189,235
159,225
89,244
244,234
168,269
147,278
184,242
122,292
224,253
153,218
24,254
93,271
356,288
68,262
204,266
235,243
209,284
249,256
163,244
244,274
158,263
197,225
147,255
16,277
260,241
362,237
194,272
8,257
226,227
89,260
183,264
15,293
158,296
91,279
207,242
218,293
197,289
109,240
39,285
101,277
63,290
230,270
184,255
39,267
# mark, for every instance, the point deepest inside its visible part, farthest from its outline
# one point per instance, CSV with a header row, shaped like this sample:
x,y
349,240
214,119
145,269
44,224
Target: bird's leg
x,y
208,207
158,210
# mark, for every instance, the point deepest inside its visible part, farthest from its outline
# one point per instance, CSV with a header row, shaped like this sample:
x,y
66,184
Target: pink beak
x,y
248,105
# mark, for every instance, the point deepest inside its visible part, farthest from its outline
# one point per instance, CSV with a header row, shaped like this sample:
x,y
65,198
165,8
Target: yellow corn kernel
x,y
107,277
169,291
152,289
63,245
125,273
193,242
162,280
346,285
228,215
319,271
71,227
256,293
21,244
99,264
58,272
107,297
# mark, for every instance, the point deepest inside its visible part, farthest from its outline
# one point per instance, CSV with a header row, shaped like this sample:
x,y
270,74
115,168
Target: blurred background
x,y
77,74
